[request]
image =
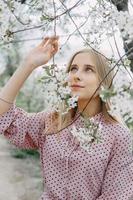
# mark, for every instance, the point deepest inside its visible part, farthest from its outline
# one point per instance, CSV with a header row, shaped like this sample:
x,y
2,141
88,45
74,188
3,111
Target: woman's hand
x,y
41,54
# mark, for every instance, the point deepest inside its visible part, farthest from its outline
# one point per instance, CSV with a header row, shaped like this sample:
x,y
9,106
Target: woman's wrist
x,y
26,64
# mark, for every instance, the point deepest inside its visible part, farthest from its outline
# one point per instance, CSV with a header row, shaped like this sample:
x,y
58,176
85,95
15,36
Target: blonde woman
x,y
70,172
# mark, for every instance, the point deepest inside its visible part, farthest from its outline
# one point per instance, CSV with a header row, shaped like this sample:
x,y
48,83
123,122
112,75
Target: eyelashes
x,y
73,68
86,69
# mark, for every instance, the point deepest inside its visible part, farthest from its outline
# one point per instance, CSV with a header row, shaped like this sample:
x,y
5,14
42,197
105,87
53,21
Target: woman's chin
x,y
75,93
80,97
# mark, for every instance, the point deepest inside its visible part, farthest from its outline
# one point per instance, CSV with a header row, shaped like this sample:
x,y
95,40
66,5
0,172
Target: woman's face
x,y
83,77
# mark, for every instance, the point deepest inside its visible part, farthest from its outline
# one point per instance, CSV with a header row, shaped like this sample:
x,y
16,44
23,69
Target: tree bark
x,y
122,5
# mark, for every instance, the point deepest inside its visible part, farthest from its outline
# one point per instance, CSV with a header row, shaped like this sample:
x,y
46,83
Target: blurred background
x,y
105,25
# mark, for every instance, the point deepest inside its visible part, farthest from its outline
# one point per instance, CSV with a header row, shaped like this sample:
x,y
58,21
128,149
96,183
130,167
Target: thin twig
x,y
119,53
81,33
17,18
69,36
49,18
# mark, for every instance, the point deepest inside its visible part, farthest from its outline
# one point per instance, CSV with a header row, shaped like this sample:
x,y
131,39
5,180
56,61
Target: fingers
x,y
44,41
55,46
51,43
49,40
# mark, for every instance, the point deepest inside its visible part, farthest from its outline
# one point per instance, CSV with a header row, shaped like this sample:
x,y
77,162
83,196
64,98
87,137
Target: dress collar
x,y
95,118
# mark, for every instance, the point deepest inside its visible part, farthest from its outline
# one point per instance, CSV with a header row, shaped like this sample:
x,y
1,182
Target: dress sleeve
x,y
21,128
118,178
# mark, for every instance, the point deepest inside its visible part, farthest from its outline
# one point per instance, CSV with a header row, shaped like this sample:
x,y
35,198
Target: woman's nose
x,y
77,76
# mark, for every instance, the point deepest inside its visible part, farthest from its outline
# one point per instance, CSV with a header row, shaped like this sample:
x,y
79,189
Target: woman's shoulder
x,y
120,130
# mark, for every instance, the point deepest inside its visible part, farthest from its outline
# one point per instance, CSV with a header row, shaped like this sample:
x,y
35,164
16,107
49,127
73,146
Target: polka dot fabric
x,y
22,128
70,172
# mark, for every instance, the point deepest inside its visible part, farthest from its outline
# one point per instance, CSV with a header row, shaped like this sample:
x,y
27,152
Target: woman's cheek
x,y
69,80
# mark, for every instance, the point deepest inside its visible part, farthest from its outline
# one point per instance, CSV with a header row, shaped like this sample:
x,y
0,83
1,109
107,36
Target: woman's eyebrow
x,y
74,65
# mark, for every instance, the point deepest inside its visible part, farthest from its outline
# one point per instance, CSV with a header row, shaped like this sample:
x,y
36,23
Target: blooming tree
x,y
93,22
126,20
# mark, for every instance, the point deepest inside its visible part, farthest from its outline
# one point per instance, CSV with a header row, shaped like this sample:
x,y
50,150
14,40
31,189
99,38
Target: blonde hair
x,y
105,75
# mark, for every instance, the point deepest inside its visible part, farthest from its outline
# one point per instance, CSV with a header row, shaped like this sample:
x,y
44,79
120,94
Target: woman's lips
x,y
77,86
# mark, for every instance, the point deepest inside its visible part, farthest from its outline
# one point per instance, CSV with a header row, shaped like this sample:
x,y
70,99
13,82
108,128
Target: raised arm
x,y
40,55
21,128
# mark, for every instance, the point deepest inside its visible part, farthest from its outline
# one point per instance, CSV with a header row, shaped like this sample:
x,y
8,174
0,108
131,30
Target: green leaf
x,y
107,93
131,93
48,71
45,18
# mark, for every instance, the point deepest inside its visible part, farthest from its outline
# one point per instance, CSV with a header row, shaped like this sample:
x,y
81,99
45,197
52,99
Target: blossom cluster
x,y
87,135
14,15
108,22
56,90
120,95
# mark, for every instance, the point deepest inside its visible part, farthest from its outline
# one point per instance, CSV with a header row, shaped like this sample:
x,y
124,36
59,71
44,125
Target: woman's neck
x,y
94,107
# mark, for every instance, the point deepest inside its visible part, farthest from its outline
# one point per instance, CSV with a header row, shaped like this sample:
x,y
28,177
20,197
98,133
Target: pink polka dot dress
x,y
69,171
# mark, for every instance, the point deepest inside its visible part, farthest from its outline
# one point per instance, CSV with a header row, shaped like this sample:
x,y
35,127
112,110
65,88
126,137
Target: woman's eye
x,y
88,69
73,69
